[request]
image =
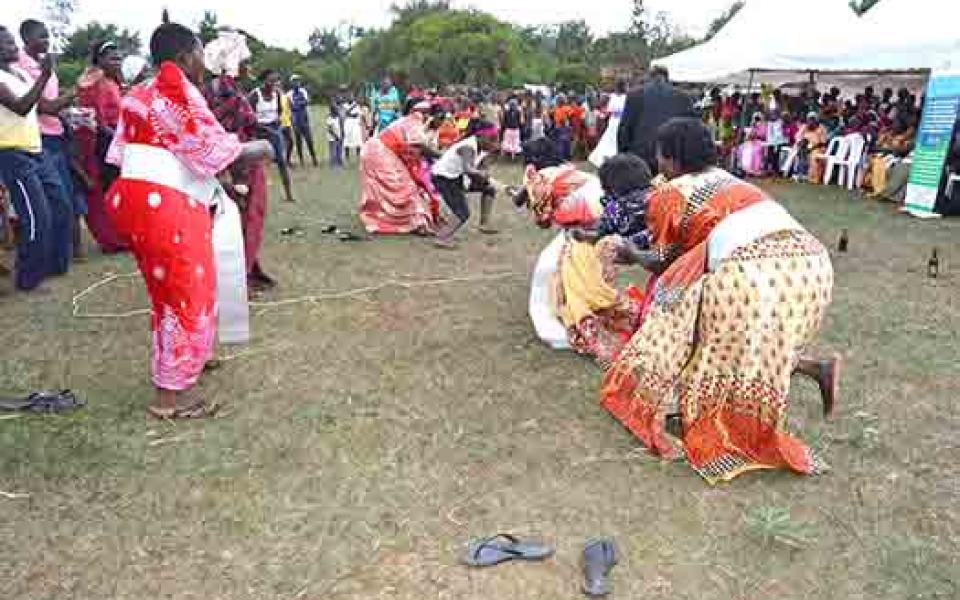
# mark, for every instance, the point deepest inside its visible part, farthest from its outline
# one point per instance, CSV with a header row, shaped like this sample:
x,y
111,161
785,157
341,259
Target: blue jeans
x,y
45,216
336,153
55,150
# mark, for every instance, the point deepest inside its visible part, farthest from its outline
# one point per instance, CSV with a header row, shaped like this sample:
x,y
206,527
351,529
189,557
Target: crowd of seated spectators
x,y
772,133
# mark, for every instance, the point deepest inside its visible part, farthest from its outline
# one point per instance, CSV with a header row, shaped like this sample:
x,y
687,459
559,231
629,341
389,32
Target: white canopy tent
x,y
759,39
899,35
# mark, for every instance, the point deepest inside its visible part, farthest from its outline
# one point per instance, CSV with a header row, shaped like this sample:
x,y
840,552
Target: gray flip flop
x,y
504,547
599,557
43,402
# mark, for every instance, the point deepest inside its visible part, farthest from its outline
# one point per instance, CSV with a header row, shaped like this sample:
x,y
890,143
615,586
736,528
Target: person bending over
x,y
464,160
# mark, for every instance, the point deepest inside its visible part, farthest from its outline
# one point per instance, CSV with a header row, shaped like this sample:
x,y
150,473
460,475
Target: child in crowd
x,y
537,120
776,140
752,149
335,135
463,161
512,123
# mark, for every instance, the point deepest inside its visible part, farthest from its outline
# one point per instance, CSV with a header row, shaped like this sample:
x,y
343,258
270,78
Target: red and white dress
x,y
170,147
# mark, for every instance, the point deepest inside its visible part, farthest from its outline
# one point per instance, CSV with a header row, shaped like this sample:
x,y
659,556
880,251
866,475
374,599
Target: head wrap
x,y
131,68
224,54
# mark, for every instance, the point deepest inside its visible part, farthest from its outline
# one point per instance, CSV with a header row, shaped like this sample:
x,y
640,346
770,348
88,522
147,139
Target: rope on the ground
x,y
311,299
110,278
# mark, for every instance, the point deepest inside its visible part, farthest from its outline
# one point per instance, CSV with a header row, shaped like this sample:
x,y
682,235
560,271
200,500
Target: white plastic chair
x,y
847,160
787,162
952,180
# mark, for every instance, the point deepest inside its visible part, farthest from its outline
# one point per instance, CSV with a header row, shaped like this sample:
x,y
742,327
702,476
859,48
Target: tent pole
x,y
743,116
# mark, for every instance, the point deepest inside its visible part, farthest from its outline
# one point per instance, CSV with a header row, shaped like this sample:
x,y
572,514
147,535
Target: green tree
x,y
208,27
80,44
720,22
862,6
638,20
326,44
432,44
58,14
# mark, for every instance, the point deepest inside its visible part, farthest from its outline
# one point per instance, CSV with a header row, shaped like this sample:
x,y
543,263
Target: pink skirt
x,y
511,141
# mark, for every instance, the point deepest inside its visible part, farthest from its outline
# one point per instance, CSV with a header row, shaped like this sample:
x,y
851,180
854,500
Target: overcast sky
x,y
291,24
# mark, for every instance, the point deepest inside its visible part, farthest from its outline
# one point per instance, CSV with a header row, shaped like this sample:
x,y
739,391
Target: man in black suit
x,y
646,110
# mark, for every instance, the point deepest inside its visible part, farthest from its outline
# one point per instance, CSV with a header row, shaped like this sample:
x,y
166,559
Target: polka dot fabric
x,y
170,237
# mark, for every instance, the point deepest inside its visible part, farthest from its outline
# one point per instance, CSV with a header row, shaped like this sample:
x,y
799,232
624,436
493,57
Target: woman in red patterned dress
x,y
98,91
170,149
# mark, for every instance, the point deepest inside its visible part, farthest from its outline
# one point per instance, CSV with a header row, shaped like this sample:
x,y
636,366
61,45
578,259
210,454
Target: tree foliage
x,y
720,22
326,44
208,27
58,14
80,44
862,6
430,43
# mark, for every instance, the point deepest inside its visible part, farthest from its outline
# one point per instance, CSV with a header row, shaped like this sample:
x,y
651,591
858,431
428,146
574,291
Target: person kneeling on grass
x,y
465,159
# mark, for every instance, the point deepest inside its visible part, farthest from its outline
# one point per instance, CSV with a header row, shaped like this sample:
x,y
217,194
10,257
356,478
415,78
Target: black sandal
x,y
44,402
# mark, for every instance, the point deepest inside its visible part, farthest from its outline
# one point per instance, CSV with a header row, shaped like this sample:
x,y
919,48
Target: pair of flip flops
x,y
599,557
44,402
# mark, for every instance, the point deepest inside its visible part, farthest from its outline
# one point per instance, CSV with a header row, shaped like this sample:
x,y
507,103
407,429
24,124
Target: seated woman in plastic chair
x,y
892,146
813,148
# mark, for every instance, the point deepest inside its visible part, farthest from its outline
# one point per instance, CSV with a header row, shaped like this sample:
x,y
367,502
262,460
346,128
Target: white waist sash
x,y
746,226
160,166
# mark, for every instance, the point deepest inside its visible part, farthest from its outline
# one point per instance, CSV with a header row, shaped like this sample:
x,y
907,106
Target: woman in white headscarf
x,y
226,57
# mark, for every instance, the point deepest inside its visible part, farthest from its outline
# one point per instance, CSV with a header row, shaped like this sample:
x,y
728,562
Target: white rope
x,y
111,277
314,298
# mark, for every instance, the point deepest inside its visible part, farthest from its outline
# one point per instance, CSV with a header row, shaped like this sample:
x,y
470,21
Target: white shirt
x,y
452,165
334,132
268,111
16,132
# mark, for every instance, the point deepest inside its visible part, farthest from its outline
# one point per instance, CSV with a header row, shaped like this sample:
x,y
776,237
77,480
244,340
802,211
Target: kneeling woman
x,y
170,148
574,302
743,289
396,193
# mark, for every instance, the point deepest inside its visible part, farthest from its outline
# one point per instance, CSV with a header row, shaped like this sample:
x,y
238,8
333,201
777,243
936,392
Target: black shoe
x,y
261,278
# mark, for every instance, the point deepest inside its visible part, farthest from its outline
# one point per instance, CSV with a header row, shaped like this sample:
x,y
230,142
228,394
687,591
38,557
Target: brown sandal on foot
x,y
200,410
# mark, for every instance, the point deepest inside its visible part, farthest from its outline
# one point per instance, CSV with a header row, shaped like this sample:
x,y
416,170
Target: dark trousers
x,y
302,132
44,214
55,150
455,195
336,152
563,137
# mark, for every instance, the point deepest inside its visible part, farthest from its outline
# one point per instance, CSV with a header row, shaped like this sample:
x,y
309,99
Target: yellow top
x,y
16,132
286,114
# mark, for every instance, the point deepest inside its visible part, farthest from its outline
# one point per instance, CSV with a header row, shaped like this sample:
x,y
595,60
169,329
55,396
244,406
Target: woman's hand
x,y
257,150
629,254
580,234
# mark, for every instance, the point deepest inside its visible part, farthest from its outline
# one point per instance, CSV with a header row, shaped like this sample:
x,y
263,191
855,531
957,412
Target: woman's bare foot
x,y
826,372
829,382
